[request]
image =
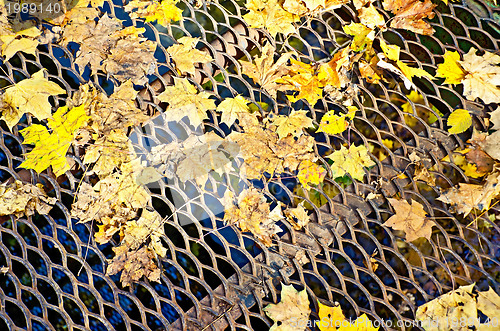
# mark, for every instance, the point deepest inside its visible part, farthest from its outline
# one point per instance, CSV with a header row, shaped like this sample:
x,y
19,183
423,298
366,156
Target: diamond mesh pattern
x,y
221,279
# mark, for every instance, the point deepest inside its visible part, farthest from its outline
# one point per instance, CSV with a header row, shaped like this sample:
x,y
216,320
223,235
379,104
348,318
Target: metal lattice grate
x,y
221,279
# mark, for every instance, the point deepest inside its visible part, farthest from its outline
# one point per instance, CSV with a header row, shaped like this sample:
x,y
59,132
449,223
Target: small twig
x,y
218,317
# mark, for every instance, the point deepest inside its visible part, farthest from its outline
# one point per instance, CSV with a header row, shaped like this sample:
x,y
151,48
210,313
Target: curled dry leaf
x,y
412,219
24,199
148,228
133,265
28,96
297,216
421,172
467,197
292,312
251,212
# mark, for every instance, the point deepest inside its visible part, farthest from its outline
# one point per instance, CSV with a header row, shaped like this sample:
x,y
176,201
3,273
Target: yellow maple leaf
x,y
292,124
479,74
162,12
29,96
51,148
264,71
231,107
330,317
334,124
271,16
412,219
459,121
370,17
310,173
302,77
252,213
350,161
309,80
184,100
292,310
185,55
450,69
363,36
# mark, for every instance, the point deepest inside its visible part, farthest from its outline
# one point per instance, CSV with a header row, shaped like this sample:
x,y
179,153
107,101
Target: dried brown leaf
x,y
412,219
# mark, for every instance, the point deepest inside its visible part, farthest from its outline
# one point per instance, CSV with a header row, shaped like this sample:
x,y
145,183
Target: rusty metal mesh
x,y
222,279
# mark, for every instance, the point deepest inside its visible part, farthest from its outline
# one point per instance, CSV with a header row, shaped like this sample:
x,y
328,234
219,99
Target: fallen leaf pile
x,y
459,310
